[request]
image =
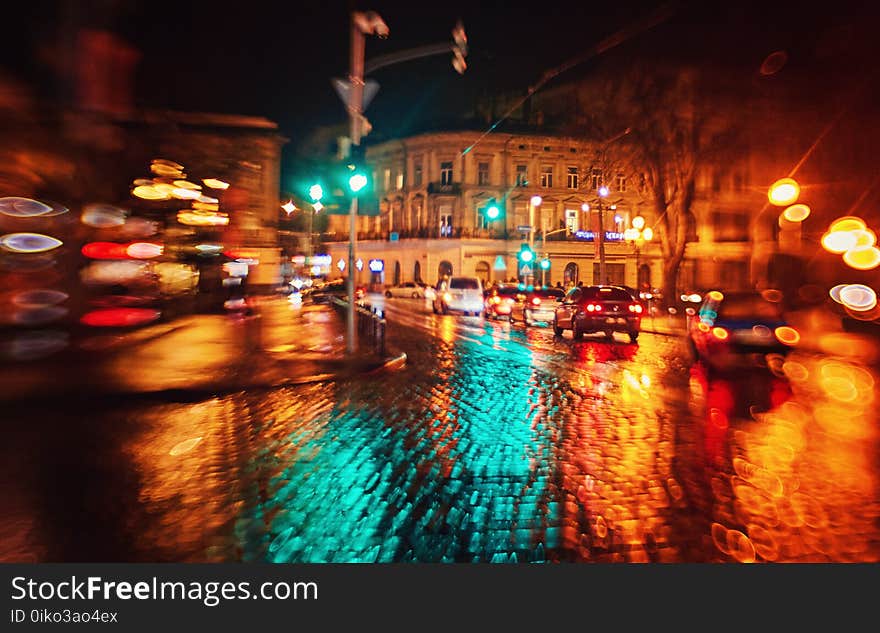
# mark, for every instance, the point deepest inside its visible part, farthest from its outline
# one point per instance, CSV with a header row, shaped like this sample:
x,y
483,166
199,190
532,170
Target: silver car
x,y
459,294
408,289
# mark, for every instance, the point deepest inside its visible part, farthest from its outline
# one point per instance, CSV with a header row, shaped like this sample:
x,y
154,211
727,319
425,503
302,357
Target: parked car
x,y
737,330
408,289
460,294
607,309
538,306
500,300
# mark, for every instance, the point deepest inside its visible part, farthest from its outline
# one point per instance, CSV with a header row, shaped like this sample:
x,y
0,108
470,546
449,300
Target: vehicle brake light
x,y
536,301
594,307
635,307
720,333
496,300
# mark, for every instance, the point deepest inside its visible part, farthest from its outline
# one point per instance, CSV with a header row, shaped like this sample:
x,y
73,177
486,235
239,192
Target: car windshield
x,y
463,283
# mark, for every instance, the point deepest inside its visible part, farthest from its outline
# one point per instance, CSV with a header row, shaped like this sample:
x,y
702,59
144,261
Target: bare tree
x,y
673,131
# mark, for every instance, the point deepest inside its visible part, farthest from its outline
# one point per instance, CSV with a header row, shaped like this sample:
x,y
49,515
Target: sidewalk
x,y
198,355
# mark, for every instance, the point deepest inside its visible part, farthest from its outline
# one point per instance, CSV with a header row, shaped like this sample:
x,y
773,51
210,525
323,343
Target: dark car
x,y
537,306
606,309
337,288
500,300
738,330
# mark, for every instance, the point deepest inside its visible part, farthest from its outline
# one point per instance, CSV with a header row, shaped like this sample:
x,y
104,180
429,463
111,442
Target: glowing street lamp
x,y
637,236
784,192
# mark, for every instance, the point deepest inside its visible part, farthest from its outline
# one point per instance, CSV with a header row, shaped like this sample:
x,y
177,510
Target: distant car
x,y
459,294
538,306
606,309
337,288
500,300
408,289
737,330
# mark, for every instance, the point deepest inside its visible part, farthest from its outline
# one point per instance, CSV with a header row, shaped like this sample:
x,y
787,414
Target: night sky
x,y
276,59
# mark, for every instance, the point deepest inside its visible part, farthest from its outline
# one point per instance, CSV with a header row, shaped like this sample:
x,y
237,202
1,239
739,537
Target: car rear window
x,y
507,290
463,283
606,294
554,293
748,307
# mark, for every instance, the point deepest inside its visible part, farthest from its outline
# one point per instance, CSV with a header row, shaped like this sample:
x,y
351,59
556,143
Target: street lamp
x,y
637,236
600,250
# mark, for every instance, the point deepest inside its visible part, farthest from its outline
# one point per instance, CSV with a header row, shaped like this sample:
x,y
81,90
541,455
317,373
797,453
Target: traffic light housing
x,y
526,255
459,49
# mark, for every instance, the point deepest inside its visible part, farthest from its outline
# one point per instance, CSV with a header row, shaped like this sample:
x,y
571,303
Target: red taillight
x,y
536,301
594,307
635,307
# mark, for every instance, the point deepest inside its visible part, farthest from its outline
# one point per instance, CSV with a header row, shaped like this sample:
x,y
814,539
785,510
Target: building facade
x,y
434,189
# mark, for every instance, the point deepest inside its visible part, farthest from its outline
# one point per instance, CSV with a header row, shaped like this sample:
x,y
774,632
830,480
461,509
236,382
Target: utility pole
x,y
355,105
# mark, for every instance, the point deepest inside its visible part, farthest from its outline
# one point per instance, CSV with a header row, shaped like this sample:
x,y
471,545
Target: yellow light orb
x,y
847,223
796,213
639,222
838,241
648,234
864,238
784,192
862,258
149,192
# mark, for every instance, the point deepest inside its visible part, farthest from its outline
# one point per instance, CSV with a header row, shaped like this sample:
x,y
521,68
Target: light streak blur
x,y
120,317
838,241
38,298
29,242
214,183
103,216
150,192
23,207
847,223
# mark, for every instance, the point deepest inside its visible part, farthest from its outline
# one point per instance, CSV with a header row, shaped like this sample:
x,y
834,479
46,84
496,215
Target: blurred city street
x,y
492,442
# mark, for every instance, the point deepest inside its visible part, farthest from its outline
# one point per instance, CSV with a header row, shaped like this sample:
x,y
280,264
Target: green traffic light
x,y
545,264
316,192
526,256
357,182
492,213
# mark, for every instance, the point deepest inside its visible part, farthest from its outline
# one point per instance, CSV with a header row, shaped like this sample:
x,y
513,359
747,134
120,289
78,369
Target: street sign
x,y
525,270
524,228
499,263
343,89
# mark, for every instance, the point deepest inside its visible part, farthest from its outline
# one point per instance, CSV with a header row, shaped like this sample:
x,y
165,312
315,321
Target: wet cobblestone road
x,y
493,444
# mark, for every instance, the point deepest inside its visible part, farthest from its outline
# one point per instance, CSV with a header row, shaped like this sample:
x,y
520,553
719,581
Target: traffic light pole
x,y
355,106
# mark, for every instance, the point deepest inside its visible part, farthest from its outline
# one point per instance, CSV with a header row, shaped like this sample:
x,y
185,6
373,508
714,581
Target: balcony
x,y
450,189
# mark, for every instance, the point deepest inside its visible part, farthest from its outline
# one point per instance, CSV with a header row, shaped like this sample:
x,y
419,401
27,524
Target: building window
x,y
522,175
572,178
387,179
399,180
571,220
547,176
482,173
621,183
482,221
730,227
446,173
595,179
446,221
417,174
